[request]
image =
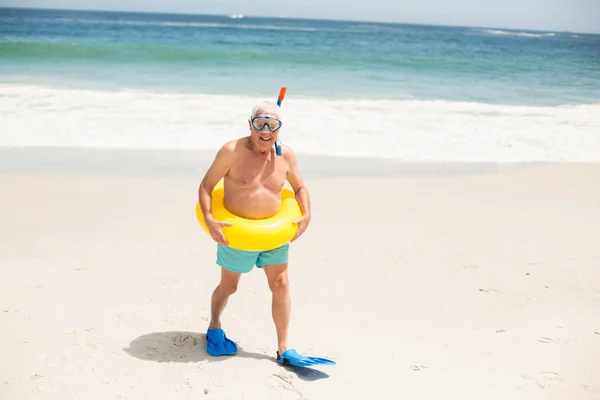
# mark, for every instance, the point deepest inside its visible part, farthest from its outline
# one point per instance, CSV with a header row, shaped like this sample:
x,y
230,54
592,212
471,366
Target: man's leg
x,y
233,264
220,296
277,276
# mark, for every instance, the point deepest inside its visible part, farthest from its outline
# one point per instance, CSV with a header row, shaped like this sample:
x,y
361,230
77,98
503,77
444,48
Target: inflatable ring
x,y
255,234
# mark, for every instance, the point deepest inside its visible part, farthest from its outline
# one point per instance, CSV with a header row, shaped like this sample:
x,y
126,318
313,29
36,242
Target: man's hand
x,y
216,230
302,223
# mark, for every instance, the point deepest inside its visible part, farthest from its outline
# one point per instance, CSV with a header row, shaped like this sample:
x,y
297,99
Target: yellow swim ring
x,y
255,234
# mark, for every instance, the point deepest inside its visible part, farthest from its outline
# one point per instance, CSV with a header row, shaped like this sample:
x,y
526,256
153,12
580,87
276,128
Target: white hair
x,y
267,107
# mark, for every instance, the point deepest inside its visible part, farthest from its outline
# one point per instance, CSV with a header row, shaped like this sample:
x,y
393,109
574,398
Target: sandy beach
x,y
482,285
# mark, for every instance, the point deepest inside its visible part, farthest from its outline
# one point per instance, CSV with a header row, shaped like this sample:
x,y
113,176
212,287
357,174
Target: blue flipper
x,y
291,357
217,344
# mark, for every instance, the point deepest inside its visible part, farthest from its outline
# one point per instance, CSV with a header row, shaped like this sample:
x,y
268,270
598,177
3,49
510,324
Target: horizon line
x,y
299,18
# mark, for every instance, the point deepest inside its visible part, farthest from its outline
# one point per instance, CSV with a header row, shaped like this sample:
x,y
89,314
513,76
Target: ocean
x,y
357,89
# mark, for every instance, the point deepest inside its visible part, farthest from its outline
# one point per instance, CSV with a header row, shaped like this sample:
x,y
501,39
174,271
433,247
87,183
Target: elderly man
x,y
254,176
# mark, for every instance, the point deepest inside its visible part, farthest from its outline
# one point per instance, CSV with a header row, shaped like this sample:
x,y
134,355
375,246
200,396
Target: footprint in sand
x,y
285,382
543,380
547,340
184,340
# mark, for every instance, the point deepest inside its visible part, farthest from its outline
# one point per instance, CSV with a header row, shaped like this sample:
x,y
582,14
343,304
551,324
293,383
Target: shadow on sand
x,y
178,346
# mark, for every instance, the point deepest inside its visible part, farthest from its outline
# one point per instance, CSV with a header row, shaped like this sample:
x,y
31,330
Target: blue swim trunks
x,y
243,261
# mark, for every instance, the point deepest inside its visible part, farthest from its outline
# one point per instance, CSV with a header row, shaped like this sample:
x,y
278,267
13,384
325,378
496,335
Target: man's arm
x,y
295,179
216,171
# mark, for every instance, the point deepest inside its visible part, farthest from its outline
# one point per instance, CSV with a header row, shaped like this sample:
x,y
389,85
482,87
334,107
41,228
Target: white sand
x,y
482,286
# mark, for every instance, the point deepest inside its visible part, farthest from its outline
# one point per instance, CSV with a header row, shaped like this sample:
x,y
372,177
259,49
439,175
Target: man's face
x,y
264,128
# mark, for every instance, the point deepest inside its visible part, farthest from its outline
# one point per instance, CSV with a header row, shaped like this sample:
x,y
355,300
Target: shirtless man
x,y
253,177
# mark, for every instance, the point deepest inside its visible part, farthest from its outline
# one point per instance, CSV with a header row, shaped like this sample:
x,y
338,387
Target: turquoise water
x,y
388,91
330,59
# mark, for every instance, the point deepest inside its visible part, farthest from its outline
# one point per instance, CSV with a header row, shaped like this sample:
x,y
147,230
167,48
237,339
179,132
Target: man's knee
x,y
229,282
279,284
228,288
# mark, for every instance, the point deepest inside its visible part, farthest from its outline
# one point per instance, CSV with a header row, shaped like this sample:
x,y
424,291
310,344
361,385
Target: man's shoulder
x,y
287,153
232,146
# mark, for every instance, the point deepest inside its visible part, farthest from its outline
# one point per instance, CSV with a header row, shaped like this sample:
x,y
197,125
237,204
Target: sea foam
x,y
408,130
522,34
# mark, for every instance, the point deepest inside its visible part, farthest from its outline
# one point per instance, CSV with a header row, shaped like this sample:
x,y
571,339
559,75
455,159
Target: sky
x,y
550,15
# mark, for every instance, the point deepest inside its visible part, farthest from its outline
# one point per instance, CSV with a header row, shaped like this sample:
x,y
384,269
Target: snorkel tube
x,y
279,100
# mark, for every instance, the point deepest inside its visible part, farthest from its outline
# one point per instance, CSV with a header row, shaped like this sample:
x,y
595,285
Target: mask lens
x,y
260,122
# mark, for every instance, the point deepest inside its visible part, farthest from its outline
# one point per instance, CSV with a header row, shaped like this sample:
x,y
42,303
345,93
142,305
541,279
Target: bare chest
x,y
255,172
